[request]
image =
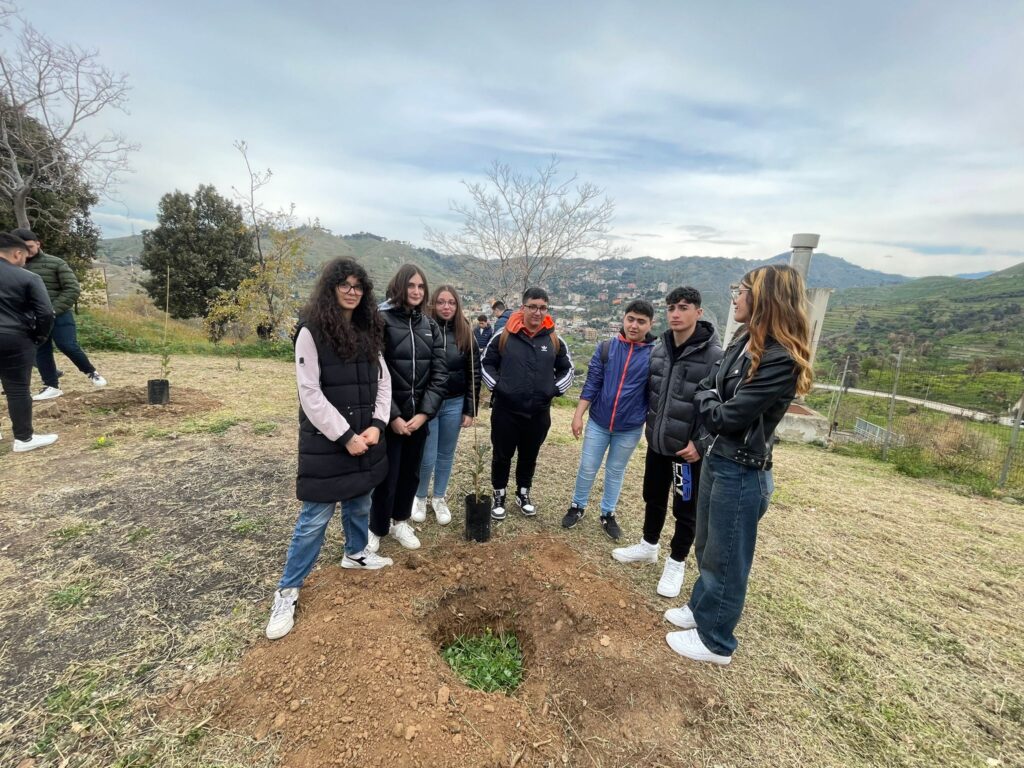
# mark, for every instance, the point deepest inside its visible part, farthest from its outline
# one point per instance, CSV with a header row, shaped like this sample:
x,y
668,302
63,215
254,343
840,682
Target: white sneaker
x,y
440,506
368,561
671,580
36,441
404,534
688,644
97,380
419,509
637,553
48,393
681,617
372,542
282,615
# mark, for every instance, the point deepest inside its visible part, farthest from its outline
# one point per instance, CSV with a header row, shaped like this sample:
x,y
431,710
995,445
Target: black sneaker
x,y
498,505
573,516
523,500
611,527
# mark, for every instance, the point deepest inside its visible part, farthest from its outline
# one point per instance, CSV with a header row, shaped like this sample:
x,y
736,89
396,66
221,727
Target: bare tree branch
x,y
517,227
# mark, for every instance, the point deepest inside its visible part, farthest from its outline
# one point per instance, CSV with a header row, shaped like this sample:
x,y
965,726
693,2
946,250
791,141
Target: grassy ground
x,y
883,626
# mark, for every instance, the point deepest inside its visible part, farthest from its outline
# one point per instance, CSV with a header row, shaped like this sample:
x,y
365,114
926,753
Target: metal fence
x,y
958,423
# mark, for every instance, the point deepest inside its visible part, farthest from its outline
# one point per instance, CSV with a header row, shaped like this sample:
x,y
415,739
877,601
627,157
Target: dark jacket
x,y
528,373
414,350
739,417
672,414
463,371
59,279
499,324
482,336
617,387
25,308
327,471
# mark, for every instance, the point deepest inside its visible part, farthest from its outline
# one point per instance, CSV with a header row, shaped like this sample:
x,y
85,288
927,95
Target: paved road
x,y
956,410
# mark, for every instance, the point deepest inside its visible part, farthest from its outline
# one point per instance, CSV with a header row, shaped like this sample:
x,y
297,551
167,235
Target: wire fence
x,y
929,420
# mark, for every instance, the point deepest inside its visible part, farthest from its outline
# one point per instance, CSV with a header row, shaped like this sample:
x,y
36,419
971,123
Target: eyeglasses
x,y
736,290
349,288
535,308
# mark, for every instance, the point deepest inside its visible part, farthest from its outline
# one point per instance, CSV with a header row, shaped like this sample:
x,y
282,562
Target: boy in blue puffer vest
x,y
616,393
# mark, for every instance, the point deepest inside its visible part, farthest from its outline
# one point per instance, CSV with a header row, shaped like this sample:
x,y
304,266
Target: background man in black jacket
x,y
525,366
25,318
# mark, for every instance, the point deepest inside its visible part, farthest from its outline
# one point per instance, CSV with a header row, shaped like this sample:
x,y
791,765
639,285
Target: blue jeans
x,y
439,450
309,535
65,336
620,446
732,500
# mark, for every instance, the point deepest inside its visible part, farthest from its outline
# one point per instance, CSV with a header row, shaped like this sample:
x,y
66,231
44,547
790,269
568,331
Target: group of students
x,y
38,292
385,390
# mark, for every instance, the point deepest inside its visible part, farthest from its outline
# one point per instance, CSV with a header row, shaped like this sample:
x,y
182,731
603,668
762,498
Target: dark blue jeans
x,y
65,336
731,502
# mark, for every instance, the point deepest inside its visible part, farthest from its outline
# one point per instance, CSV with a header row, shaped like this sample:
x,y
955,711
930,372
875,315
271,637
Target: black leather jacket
x,y
742,426
25,308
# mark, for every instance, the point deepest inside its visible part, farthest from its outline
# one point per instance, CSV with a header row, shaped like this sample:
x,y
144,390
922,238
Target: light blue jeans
x,y
439,450
309,535
596,441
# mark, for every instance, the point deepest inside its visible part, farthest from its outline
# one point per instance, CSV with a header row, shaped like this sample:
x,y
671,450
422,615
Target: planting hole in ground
x,y
488,662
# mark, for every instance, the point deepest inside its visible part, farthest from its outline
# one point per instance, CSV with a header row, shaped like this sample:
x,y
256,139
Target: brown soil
x,y
112,405
360,680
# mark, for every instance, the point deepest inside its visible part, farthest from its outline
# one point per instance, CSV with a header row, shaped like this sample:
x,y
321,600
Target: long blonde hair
x,y
778,309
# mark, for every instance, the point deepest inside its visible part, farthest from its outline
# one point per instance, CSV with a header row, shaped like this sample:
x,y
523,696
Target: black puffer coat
x,y
327,471
462,371
414,351
671,414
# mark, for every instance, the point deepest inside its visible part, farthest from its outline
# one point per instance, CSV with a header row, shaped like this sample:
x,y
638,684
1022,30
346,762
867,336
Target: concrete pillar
x,y
800,259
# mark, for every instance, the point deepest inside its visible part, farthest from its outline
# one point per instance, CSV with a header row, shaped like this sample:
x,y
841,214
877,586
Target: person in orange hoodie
x,y
525,367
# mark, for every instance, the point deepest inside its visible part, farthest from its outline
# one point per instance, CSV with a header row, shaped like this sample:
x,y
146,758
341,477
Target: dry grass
x,y
883,626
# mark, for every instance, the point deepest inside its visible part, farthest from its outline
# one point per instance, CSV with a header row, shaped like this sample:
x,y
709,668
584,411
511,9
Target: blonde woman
x,y
740,403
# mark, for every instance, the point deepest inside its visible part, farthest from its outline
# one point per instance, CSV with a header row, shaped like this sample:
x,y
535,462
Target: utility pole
x,y
833,414
1004,474
892,407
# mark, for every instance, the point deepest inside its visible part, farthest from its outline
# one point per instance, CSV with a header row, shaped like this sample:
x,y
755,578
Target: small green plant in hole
x,y
488,662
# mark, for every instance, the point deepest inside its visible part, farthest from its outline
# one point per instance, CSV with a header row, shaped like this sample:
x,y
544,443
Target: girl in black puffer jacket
x,y
415,355
459,408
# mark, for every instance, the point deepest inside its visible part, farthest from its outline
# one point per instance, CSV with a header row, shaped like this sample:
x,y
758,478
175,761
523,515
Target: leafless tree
x,y
48,93
517,227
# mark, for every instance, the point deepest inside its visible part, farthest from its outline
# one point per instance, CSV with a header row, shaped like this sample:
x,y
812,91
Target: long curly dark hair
x,y
364,335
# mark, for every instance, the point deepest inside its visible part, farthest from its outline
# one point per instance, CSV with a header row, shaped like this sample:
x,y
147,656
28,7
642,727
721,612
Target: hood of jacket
x,y
517,323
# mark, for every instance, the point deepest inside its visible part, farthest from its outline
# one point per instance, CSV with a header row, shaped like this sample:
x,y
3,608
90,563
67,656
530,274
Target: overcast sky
x,y
893,129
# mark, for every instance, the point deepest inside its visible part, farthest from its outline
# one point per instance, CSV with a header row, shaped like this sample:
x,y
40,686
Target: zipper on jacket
x,y
412,388
615,403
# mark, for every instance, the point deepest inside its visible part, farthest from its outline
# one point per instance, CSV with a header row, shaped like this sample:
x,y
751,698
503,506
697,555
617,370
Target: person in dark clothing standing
x,y
482,333
682,357
525,367
458,409
26,318
414,351
63,288
741,402
344,402
501,315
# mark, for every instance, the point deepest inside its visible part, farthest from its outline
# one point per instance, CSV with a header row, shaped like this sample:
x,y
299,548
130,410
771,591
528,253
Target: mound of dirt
x,y
119,403
360,680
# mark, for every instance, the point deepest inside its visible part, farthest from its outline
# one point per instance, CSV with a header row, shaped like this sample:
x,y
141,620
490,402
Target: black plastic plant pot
x,y
159,391
478,518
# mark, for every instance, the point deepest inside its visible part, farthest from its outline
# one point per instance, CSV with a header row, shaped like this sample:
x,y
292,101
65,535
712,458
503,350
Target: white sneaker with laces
x,y
367,560
440,506
404,534
671,581
637,553
282,615
689,645
48,393
372,542
97,380
36,441
681,617
419,509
